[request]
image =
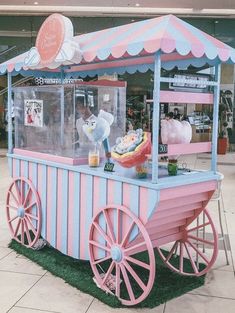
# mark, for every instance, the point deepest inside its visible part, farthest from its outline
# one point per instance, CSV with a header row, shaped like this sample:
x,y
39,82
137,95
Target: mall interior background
x,y
18,34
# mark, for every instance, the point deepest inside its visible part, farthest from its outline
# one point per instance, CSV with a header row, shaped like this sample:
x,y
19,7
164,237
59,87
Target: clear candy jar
x,y
141,170
94,157
172,167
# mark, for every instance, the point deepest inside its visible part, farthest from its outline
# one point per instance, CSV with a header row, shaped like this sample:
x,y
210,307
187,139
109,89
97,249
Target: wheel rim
x,y
194,254
23,212
117,234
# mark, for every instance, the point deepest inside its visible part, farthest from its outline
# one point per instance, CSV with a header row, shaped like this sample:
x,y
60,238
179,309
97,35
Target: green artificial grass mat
x,y
78,274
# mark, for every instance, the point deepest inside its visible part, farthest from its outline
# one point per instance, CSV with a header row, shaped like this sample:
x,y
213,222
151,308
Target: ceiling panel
x,y
199,4
182,8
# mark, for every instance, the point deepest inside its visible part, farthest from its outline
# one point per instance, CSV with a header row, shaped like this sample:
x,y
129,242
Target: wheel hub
x,y
20,212
116,254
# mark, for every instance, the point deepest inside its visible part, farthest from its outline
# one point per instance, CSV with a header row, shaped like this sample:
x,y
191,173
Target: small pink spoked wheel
x,y
195,253
121,254
23,210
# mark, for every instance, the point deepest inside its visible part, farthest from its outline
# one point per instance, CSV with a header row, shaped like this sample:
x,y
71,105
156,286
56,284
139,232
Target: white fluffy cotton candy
x,y
175,132
97,128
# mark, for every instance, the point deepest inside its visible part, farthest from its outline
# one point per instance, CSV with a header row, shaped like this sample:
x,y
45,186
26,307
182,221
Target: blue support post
x,y
155,117
107,149
215,119
9,110
62,75
62,107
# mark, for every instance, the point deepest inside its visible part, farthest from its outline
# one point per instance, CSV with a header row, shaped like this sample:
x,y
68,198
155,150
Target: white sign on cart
x,y
33,113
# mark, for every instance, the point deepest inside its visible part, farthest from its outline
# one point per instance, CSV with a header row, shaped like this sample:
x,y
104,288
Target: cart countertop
x,y
183,177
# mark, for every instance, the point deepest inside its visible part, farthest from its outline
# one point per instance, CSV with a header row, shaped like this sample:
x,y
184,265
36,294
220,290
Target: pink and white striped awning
x,y
167,33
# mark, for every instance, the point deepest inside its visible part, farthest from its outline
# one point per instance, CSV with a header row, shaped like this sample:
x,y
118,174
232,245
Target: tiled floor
x,y
27,288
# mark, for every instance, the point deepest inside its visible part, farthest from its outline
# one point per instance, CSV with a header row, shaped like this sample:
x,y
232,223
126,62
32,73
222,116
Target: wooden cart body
x,y
71,196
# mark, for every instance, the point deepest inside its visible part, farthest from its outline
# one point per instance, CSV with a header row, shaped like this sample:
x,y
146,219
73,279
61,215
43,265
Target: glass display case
x,y
49,119
201,126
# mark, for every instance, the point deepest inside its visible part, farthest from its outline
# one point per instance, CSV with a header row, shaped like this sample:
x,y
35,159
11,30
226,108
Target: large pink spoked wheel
x,y
23,210
196,252
115,239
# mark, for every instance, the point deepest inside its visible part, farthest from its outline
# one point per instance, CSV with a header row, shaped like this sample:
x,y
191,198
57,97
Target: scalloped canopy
x,y
176,39
167,33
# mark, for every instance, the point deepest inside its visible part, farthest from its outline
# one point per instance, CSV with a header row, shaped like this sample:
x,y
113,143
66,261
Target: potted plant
x,y
222,139
137,116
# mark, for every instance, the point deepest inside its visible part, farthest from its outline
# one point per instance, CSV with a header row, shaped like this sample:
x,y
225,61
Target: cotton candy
x,y
175,132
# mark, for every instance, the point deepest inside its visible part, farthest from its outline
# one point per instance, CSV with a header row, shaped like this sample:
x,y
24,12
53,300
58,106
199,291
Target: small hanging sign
x,y
162,149
108,167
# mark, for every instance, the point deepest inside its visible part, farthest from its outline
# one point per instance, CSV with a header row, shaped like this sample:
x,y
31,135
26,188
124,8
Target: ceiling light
x,y
216,22
36,3
137,4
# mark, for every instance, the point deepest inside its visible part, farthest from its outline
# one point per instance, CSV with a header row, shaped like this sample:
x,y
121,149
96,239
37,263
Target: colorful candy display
x,y
132,149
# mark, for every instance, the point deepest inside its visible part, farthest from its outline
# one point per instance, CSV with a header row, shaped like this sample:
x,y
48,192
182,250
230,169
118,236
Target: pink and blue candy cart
x,y
110,217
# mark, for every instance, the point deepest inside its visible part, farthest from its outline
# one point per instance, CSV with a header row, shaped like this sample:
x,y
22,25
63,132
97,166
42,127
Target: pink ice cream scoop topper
x,y
55,44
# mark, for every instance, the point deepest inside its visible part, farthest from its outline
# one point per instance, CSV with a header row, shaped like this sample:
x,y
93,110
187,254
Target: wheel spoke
x,y
137,262
21,192
199,226
181,257
31,225
30,206
108,273
127,282
102,260
191,259
33,217
9,206
17,192
97,244
125,238
199,252
27,232
118,281
13,196
118,226
27,196
129,250
12,219
201,240
134,275
172,251
22,232
109,225
97,226
17,228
